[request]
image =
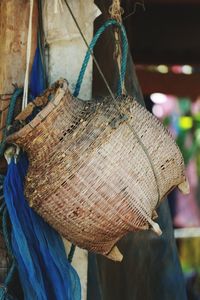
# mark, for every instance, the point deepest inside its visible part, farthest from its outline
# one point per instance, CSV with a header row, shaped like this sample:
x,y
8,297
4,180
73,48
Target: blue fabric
x,y
44,270
37,78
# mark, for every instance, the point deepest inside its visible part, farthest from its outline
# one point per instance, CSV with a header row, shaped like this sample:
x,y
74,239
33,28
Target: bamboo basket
x,y
98,170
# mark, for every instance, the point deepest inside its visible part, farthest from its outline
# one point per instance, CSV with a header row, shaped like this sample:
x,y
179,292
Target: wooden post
x,y
14,18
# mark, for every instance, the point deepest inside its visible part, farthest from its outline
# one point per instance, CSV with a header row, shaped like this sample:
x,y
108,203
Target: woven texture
x,y
89,176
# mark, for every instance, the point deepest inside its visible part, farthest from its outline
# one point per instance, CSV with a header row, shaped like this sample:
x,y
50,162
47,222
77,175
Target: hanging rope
x,y
90,52
116,12
28,57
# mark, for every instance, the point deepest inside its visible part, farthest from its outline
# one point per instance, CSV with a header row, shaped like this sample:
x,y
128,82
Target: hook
x,y
135,9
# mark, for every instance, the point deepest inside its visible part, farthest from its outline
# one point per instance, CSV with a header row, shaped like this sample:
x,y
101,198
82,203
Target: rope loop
x,y
107,24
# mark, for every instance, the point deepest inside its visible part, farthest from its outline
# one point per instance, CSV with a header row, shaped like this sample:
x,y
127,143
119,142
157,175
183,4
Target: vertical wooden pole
x,y
14,17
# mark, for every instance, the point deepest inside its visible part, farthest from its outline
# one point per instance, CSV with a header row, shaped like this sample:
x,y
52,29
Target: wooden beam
x,y
175,84
14,18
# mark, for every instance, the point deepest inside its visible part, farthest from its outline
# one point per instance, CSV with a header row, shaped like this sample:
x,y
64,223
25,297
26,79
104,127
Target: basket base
x,y
115,254
184,187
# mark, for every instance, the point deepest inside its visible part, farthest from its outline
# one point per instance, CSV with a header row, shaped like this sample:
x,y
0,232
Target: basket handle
x,y
90,50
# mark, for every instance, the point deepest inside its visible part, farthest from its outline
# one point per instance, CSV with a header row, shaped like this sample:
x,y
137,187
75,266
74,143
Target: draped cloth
x,y
44,270
37,77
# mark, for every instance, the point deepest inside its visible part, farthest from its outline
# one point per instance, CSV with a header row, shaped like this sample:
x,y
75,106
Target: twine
x,y
28,57
116,11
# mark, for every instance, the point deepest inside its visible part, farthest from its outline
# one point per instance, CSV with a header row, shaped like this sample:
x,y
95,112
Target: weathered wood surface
x,y
14,19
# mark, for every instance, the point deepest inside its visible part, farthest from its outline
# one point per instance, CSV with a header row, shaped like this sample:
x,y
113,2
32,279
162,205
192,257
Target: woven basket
x,y
96,174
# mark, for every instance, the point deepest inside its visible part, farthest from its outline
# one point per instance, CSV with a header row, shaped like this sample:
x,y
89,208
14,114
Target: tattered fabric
x,y
44,270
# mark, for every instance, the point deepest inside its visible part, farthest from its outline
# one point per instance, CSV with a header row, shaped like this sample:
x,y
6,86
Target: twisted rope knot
x,y
116,11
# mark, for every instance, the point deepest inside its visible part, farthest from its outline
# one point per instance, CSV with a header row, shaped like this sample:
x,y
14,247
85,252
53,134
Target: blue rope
x,y
90,50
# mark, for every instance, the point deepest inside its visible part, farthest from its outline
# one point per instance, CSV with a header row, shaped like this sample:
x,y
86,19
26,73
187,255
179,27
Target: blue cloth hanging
x,y
37,77
44,270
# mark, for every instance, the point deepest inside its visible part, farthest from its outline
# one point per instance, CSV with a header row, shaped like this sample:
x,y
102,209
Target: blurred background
x,y
165,45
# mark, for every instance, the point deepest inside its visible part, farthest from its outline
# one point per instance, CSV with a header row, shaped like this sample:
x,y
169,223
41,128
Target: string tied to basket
x,y
122,73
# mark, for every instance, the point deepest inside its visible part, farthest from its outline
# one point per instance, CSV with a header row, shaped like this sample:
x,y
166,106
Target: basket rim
x,y
61,90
